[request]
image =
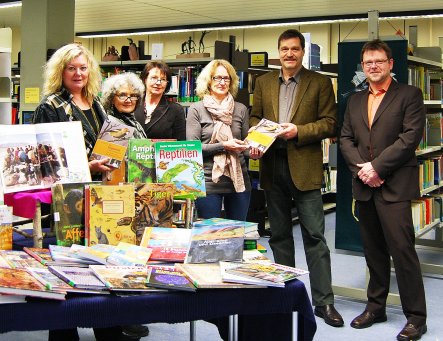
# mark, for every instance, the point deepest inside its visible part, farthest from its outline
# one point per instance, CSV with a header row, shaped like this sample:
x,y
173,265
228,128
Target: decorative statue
x,y
191,45
184,47
201,45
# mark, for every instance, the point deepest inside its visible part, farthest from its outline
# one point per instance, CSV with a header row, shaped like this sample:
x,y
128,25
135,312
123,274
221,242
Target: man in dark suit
x,y
292,169
383,126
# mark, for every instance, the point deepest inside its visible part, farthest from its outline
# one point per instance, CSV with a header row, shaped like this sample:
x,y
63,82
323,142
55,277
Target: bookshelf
x,y
5,76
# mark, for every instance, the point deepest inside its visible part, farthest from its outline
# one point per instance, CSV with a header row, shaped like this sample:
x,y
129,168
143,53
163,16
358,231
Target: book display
x,y
39,155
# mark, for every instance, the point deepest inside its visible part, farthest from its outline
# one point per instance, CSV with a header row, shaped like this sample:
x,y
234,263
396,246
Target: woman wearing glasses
x,y
120,95
221,124
160,118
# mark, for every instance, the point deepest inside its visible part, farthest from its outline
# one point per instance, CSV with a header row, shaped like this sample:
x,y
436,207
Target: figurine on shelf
x,y
191,45
111,55
184,47
133,51
201,45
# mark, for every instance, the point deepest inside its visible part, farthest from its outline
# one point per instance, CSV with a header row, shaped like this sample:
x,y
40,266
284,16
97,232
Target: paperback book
x,y
208,276
78,277
154,206
41,255
169,278
263,135
64,255
109,214
112,142
211,244
271,272
181,162
123,278
167,244
20,282
38,155
19,259
126,254
141,161
69,214
98,252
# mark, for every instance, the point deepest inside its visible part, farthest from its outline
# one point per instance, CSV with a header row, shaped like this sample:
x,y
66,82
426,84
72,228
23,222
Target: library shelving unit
x,y
5,76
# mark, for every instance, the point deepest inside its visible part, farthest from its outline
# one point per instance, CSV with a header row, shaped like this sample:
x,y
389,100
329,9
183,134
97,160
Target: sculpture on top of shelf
x,y
188,46
111,54
201,45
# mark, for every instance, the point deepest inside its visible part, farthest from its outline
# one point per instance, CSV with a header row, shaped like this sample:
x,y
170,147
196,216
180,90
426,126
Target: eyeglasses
x,y
369,63
219,79
123,97
73,69
155,80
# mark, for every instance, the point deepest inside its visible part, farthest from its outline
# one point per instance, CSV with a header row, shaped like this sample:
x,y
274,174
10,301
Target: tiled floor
x,y
347,270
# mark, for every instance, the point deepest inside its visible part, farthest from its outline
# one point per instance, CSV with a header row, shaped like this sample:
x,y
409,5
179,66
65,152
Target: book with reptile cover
x,y
181,163
141,163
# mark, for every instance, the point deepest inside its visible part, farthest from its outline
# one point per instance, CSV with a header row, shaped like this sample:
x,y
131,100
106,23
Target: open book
x,y
35,156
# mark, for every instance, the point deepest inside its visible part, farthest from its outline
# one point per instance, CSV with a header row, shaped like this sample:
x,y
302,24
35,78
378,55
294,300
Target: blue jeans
x,y
236,205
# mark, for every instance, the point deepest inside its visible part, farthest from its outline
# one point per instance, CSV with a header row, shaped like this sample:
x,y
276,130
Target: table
x,y
264,314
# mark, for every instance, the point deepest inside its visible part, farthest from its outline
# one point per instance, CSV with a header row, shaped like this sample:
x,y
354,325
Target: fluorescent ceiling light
x,y
10,4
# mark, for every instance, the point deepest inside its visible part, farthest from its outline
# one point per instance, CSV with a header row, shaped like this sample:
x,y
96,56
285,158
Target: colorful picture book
x,y
251,228
210,244
271,272
19,259
21,282
208,276
112,142
129,255
167,244
263,135
109,214
235,278
64,255
123,278
141,161
98,252
41,255
37,156
169,278
48,279
69,214
181,162
5,227
154,206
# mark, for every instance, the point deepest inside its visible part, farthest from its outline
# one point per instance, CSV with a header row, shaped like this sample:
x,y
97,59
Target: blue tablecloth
x,y
264,314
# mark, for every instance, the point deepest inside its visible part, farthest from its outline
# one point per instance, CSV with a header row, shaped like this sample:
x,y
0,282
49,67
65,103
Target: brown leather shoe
x,y
329,314
367,319
411,332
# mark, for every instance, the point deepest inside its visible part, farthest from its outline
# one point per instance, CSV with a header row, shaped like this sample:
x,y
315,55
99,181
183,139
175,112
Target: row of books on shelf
x,y
427,210
432,131
427,80
329,183
430,170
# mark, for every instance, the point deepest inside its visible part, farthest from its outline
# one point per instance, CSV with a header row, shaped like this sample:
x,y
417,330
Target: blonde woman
x,y
72,81
221,124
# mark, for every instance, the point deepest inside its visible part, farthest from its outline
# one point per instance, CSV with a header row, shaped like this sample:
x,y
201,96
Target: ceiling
x,y
109,15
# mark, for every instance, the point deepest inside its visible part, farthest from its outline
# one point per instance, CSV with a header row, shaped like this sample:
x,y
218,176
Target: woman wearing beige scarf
x,y
221,124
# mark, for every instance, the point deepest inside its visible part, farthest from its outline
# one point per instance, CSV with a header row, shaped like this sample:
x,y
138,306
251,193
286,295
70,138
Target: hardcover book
x,y
69,214
5,227
141,162
98,253
271,272
208,276
38,155
48,279
263,134
112,142
129,255
169,278
181,162
109,214
211,244
123,278
41,255
64,255
167,244
154,206
235,278
19,259
78,277
20,282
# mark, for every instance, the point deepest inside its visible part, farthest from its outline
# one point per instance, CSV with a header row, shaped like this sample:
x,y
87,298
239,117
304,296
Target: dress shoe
x,y
411,332
329,314
367,319
136,330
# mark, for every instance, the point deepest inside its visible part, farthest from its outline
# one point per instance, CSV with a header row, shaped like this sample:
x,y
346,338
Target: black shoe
x,y
330,315
411,332
136,330
367,319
